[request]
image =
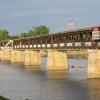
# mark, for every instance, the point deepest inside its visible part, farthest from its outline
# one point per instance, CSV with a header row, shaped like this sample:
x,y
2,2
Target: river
x,y
20,83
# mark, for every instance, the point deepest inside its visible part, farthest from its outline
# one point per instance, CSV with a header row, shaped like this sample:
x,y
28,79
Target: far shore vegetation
x,y
35,31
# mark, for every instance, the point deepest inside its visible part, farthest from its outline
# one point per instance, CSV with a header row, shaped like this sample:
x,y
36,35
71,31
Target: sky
x,y
18,16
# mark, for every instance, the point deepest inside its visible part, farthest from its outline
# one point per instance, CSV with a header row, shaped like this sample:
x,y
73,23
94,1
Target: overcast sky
x,y
20,15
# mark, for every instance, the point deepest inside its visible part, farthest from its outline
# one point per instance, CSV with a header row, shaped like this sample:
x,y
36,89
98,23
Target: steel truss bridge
x,y
73,39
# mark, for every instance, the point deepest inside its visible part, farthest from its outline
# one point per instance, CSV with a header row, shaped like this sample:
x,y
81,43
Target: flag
x,y
70,25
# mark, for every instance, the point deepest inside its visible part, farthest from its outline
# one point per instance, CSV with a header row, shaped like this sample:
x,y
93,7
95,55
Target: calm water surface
x,y
19,83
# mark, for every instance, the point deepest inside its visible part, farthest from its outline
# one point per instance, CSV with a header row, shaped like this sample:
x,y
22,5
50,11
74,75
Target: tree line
x,y
35,31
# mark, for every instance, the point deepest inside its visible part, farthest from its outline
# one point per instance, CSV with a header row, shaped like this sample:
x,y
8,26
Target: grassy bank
x,y
3,98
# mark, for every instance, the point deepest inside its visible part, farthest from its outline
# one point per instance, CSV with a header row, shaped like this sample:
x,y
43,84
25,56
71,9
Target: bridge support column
x,y
17,57
1,54
93,64
32,58
57,60
5,55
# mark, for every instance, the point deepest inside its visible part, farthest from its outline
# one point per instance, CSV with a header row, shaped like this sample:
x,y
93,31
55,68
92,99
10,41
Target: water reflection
x,y
18,82
93,89
30,68
5,62
56,74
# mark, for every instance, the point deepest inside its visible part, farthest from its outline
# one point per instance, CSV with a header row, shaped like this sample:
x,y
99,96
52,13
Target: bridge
x,y
27,50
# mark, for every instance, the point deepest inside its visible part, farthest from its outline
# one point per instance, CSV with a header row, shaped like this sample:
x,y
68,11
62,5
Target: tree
x,y
13,37
39,30
23,35
35,31
4,34
31,33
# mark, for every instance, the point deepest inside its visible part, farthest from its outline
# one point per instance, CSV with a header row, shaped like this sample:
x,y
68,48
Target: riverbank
x,y
3,98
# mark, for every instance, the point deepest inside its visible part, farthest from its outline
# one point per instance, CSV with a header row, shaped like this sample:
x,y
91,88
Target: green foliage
x,y
23,35
13,37
39,30
35,31
4,34
3,98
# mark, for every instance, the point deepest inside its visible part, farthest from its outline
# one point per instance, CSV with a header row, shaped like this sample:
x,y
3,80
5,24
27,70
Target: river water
x,y
20,83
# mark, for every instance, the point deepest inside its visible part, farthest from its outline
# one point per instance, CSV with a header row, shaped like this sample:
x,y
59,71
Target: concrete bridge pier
x,y
32,58
93,64
17,56
5,55
57,60
1,54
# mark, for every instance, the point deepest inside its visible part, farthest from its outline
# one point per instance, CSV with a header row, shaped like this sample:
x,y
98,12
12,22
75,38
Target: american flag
x,y
70,25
